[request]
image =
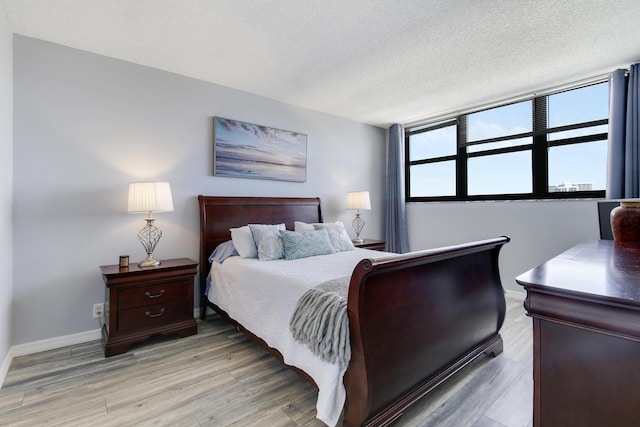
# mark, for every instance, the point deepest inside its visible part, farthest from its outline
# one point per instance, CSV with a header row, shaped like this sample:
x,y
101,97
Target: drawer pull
x,y
154,296
148,314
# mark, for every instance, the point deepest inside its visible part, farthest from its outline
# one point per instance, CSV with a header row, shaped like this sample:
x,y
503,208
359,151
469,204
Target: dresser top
x,y
165,265
603,269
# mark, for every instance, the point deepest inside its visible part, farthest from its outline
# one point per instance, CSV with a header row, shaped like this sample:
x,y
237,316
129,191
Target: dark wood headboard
x,y
218,214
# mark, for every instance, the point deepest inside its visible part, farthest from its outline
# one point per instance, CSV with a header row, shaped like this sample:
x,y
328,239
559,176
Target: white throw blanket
x,y
320,321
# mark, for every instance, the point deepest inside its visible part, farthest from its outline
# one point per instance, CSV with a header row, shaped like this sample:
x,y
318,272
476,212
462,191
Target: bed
x,y
414,319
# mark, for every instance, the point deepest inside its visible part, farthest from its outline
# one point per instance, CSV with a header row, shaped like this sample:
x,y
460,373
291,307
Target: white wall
x,y
6,174
87,125
539,230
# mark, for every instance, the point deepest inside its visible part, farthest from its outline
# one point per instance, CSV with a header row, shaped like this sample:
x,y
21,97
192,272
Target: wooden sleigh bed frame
x,y
415,319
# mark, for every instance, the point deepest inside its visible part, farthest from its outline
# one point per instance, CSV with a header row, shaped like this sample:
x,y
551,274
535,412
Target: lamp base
x,y
358,226
149,236
149,262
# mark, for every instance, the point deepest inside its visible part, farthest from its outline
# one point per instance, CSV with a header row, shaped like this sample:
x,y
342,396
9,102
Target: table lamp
x,y
357,200
149,197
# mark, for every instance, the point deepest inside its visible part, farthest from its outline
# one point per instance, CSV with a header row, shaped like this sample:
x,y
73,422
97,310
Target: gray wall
x,y
6,173
87,125
539,230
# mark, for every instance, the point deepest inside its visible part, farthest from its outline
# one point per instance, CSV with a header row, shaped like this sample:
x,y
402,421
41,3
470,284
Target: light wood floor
x,y
220,378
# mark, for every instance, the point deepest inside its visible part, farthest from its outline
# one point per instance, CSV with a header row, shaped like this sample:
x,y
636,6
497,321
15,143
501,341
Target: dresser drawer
x,y
152,315
143,296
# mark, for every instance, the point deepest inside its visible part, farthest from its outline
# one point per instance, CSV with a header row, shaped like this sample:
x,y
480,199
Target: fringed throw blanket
x,y
320,321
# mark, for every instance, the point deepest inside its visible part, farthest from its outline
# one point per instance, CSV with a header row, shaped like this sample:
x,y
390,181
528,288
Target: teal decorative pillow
x,y
305,244
268,240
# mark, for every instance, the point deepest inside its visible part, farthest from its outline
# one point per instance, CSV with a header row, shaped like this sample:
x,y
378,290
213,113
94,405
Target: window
x,y
551,146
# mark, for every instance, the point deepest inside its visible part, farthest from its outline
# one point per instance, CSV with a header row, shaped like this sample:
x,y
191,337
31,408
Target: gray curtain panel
x,y
623,160
396,215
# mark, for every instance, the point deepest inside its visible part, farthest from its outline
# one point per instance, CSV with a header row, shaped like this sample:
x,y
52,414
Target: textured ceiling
x,y
372,61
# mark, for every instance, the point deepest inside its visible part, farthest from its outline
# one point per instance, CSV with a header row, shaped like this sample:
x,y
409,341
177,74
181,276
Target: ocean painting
x,y
246,150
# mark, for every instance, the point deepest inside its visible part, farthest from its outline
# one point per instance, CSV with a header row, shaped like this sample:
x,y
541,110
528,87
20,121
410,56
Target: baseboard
x,y
516,294
57,342
5,366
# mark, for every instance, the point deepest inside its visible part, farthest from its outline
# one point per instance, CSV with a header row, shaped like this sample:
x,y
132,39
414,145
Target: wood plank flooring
x,y
220,378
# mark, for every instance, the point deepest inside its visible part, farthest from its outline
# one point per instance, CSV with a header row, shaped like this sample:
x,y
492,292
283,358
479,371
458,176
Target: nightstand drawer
x,y
152,315
143,296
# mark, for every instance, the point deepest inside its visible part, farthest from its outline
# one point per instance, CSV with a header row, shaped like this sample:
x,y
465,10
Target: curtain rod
x,y
505,101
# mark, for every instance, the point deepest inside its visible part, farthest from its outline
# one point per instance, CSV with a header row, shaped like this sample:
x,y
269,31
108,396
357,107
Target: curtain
x,y
623,159
396,216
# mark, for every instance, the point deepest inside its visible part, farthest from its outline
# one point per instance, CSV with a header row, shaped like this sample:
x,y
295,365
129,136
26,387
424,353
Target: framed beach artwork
x,y
245,150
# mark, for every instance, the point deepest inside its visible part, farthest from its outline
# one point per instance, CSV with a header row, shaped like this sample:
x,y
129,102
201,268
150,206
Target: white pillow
x,y
301,227
243,242
268,240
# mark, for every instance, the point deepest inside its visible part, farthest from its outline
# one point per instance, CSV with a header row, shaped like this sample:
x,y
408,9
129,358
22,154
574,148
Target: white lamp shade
x,y
358,200
150,197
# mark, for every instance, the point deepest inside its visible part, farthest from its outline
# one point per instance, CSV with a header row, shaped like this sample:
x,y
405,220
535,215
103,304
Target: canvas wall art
x,y
247,150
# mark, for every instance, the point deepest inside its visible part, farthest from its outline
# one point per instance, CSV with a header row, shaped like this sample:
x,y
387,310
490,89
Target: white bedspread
x,y
262,295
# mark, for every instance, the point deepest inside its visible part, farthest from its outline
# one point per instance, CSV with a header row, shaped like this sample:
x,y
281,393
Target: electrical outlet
x,y
98,310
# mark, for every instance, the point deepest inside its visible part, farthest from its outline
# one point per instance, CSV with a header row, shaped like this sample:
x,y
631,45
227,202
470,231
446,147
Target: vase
x,y
625,221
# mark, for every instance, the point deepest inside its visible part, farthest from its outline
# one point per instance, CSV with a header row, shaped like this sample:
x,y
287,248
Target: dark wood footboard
x,y
415,320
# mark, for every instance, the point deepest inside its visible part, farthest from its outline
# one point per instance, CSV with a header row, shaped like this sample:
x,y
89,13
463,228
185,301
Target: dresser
x,y
585,306
141,302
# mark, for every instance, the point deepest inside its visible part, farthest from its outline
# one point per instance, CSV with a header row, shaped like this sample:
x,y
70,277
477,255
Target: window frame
x,y
539,148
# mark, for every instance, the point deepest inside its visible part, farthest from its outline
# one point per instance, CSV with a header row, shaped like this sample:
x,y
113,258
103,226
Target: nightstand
x,y
140,302
376,245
